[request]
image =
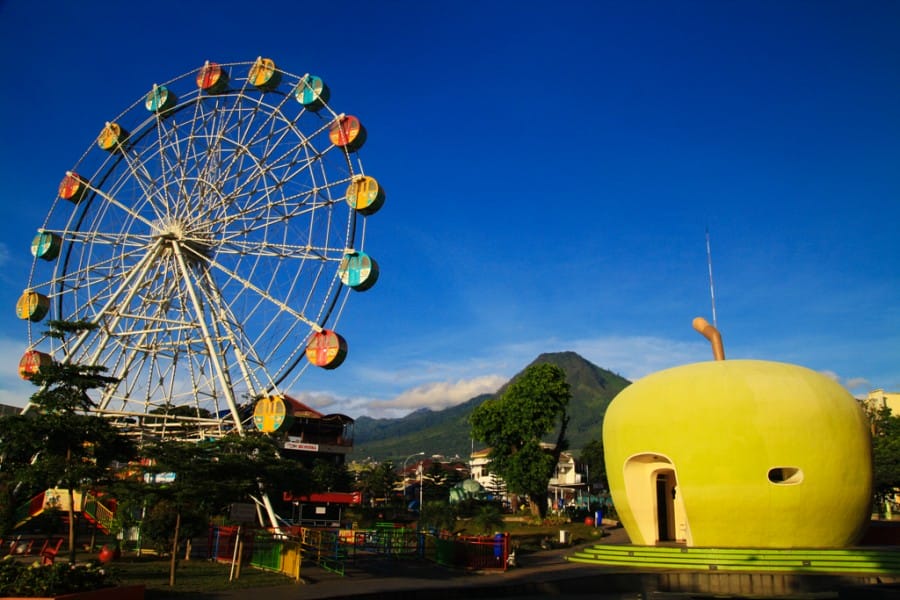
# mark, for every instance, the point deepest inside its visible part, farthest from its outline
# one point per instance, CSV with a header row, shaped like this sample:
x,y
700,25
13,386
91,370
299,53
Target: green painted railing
x,y
97,512
324,547
279,554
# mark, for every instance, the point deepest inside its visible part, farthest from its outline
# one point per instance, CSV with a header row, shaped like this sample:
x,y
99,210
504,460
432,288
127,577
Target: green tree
x,y
60,442
437,481
377,482
514,424
209,476
487,519
328,476
885,454
437,515
593,458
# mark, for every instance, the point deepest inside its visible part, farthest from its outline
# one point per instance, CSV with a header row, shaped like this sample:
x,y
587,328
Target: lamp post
x,y
421,484
404,474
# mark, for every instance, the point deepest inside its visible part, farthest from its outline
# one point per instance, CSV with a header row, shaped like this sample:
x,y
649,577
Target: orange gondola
x,y
326,349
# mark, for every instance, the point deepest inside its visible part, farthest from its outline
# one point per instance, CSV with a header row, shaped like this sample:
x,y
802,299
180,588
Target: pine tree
x,y
59,441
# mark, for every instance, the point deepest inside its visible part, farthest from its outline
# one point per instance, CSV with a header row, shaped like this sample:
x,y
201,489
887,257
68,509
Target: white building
x,y
566,482
563,487
879,398
478,470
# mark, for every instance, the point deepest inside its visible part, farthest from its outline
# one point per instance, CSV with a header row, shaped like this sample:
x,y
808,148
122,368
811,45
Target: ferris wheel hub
x,y
184,233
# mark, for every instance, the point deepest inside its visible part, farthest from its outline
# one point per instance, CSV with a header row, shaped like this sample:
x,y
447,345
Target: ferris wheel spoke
x,y
138,241
273,172
144,185
276,214
251,286
123,207
102,270
180,360
248,127
121,331
281,251
244,351
265,161
122,364
96,318
183,166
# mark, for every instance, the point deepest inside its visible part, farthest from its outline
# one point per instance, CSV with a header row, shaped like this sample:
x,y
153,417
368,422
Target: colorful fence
x,y
469,552
261,549
279,554
222,542
387,540
331,549
324,547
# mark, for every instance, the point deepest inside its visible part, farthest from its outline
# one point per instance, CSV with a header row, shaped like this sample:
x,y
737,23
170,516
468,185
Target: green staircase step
x,y
880,561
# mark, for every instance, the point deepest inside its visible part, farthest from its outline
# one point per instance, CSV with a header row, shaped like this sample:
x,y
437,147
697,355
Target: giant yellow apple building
x,y
739,453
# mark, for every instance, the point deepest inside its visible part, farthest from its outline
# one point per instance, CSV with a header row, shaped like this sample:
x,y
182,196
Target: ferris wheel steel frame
x,y
206,247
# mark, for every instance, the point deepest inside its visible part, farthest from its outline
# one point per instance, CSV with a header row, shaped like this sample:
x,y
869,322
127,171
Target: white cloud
x,y
436,395
320,401
636,357
858,383
443,394
831,375
441,384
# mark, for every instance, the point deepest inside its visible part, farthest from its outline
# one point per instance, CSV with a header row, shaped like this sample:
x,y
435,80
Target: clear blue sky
x,y
551,169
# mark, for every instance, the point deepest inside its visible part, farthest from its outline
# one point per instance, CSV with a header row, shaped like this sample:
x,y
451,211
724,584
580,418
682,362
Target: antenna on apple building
x,y
712,287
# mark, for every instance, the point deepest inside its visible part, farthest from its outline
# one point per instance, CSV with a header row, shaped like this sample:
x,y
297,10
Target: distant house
x,y
879,398
312,435
6,409
478,470
565,484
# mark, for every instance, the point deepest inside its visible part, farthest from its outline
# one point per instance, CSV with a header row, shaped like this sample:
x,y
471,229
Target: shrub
x,y
438,516
158,526
19,579
487,520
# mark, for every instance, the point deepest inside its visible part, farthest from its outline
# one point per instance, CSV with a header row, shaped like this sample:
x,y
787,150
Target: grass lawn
x,y
192,577
531,538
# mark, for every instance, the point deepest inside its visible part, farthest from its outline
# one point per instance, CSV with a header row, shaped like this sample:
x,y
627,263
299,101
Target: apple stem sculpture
x,y
713,335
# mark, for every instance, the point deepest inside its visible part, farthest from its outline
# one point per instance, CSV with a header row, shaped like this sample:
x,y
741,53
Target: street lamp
x,y
421,484
404,474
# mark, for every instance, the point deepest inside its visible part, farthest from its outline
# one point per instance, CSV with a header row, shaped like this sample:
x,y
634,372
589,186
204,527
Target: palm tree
x,y
487,520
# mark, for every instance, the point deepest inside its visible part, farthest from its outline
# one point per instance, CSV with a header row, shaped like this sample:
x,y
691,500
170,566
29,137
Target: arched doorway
x,y
651,485
665,505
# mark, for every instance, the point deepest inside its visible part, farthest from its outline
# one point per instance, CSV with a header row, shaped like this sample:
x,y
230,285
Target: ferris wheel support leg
x,y
263,503
270,512
214,356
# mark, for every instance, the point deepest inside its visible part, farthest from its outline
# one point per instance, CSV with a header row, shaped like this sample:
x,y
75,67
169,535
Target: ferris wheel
x,y
212,233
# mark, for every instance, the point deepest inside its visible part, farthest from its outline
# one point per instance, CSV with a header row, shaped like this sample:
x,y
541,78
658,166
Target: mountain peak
x,y
448,431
